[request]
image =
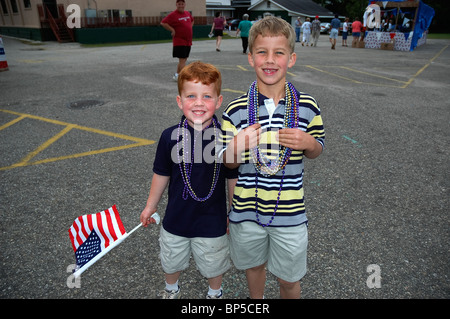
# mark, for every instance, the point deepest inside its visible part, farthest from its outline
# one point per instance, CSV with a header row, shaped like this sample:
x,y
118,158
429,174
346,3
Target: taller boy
x,y
267,132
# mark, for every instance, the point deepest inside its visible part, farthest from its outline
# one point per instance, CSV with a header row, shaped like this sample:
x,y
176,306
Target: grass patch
x,y
445,36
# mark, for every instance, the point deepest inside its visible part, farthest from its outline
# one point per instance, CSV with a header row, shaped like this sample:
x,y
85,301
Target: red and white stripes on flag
x,y
107,225
93,236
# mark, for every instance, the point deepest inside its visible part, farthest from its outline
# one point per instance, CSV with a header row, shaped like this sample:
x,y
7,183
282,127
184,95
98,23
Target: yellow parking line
x,y
17,119
103,150
371,74
402,84
79,127
43,146
26,161
424,67
350,79
333,74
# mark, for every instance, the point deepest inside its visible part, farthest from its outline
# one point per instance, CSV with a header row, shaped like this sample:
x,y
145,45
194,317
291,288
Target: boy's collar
x,y
191,128
262,97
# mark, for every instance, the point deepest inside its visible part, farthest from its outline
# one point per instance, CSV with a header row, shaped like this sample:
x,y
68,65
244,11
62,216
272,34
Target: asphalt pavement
x,y
78,131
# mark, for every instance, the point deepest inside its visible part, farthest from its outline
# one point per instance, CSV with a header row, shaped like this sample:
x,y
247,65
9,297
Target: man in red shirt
x,y
179,23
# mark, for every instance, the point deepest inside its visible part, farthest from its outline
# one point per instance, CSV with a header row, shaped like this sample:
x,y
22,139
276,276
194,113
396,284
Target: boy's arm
x,y
244,140
159,184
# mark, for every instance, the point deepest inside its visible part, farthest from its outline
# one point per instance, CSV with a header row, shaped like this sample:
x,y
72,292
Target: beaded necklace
x,y
186,166
262,163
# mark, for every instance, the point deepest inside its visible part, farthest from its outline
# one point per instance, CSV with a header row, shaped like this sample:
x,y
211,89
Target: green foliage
x,y
356,8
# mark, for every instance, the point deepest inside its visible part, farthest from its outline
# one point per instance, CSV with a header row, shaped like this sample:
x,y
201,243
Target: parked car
x,y
325,27
233,23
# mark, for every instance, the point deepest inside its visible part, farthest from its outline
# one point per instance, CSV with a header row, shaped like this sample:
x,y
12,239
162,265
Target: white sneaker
x,y
218,296
171,294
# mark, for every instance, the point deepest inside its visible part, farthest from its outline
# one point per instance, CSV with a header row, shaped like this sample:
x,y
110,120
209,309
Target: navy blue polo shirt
x,y
185,216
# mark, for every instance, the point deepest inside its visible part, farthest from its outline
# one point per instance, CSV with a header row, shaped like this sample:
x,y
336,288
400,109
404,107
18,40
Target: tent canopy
x,y
423,16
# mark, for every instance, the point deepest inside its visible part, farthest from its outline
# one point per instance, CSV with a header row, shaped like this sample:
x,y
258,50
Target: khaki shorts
x,y
283,248
211,255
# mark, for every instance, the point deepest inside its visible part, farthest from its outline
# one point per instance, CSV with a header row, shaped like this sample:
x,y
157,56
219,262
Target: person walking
x,y
180,23
298,29
244,28
306,32
356,31
345,32
315,31
218,27
335,25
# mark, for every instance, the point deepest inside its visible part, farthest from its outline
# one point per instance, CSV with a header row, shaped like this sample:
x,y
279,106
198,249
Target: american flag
x,y
92,234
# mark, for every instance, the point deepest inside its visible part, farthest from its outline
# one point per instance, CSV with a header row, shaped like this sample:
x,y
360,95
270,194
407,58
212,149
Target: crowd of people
x,y
180,24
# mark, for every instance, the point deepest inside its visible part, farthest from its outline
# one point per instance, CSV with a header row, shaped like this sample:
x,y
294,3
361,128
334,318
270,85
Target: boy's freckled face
x,y
199,102
271,58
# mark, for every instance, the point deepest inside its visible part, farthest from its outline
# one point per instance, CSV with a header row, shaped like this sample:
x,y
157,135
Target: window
x,y
4,7
27,4
14,6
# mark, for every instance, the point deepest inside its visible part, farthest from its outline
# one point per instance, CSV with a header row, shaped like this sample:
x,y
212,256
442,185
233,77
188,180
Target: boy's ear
x,y
292,60
219,102
180,105
250,59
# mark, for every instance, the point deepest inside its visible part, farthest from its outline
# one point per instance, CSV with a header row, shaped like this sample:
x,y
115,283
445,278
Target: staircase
x,y
59,26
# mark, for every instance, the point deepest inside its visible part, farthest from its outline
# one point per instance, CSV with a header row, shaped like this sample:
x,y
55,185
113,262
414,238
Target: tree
x,y
348,8
442,12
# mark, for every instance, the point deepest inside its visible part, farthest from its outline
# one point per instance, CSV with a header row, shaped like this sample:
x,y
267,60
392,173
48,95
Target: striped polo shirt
x,y
291,207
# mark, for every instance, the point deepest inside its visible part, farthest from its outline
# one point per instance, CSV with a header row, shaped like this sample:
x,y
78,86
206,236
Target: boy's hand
x,y
300,141
146,218
247,138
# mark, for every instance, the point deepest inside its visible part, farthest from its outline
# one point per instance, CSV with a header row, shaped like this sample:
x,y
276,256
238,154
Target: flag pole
x,y
133,230
77,273
85,267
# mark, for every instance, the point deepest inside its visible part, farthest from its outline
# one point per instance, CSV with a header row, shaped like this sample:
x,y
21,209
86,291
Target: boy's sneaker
x,y
218,296
171,294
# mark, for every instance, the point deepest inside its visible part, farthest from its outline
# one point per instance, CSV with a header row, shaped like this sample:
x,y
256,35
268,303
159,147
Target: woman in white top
x,y
306,31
